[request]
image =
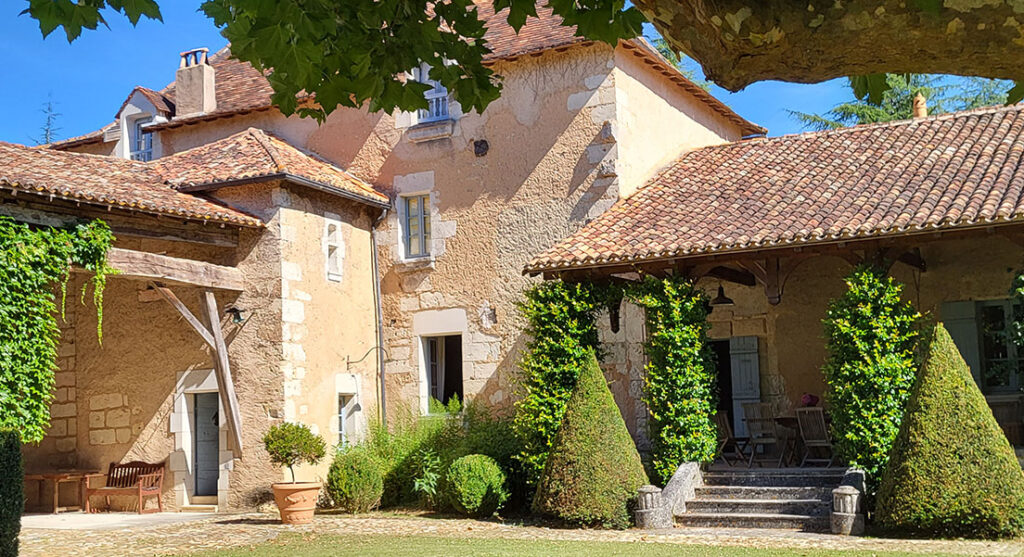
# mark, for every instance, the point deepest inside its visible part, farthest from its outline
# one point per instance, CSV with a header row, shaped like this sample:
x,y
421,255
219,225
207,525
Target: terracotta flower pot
x,y
296,501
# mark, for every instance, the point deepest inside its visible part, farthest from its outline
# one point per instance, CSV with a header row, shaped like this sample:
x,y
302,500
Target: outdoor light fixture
x,y
721,299
236,314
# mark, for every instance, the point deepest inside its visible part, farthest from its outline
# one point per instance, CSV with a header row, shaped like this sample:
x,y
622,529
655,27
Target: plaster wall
x,y
657,121
328,321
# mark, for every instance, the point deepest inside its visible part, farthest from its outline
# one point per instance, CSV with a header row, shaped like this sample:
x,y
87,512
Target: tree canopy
x,y
355,53
943,95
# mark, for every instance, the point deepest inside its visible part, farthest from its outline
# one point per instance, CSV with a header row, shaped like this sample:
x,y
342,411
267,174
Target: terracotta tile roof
x,y
95,136
253,154
950,171
540,33
105,181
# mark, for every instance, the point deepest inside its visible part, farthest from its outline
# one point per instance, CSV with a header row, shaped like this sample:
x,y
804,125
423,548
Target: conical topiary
x,y
951,473
593,471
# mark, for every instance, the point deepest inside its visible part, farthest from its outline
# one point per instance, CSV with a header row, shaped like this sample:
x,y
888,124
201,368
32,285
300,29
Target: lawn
x,y
312,545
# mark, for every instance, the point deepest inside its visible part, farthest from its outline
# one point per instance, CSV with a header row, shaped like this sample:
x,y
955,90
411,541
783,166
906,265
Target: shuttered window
x,y
982,333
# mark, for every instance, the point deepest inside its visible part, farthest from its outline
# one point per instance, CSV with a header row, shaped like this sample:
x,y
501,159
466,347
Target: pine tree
x,y
48,131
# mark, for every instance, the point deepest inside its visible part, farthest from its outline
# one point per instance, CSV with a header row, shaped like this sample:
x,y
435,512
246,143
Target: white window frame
x,y
141,148
346,405
424,228
334,248
438,100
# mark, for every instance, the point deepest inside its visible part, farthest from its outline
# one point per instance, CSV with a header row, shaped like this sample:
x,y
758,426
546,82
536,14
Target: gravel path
x,y
222,531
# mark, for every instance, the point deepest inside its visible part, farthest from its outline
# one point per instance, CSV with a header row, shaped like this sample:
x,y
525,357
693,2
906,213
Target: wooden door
x,y
206,448
746,378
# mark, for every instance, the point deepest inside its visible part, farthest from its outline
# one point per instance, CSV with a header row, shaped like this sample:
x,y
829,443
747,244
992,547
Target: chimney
x,y
920,106
195,92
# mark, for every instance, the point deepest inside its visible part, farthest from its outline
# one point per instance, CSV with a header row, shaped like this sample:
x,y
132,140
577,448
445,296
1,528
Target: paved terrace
x,y
172,533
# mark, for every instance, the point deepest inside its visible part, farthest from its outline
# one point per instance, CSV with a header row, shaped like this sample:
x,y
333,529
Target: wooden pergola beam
x,y
141,265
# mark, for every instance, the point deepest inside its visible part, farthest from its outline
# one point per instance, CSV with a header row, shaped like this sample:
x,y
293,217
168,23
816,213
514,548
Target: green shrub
x,y
355,481
593,472
560,321
952,473
476,485
12,497
680,389
428,480
289,444
870,368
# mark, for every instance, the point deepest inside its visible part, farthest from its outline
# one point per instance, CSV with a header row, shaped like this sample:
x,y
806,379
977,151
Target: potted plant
x,y
290,444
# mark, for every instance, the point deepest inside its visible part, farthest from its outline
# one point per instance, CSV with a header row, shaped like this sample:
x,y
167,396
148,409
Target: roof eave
x,y
295,179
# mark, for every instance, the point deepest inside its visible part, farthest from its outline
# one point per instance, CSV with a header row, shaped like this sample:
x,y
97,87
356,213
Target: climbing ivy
x,y
561,323
32,262
872,336
680,386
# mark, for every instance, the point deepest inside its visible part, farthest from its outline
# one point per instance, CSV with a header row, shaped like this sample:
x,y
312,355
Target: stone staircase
x,y
790,498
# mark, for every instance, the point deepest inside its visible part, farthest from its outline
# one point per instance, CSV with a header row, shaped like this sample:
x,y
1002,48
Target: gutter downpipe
x,y
383,406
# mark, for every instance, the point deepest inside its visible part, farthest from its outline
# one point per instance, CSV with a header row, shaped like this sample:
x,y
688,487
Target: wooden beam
x,y
166,294
728,274
222,367
174,270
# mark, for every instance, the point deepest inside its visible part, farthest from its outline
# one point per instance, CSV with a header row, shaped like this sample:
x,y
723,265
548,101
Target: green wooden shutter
x,y
961,320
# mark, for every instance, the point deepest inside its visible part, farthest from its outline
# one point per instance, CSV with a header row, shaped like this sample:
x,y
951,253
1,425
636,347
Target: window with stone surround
x,y
333,248
416,225
437,97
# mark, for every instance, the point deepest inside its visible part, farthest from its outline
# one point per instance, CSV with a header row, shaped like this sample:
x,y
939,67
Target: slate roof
x,y
941,172
252,154
106,181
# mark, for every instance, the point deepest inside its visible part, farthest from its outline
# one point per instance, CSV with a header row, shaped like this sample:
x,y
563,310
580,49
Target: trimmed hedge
x,y
593,471
870,368
356,480
476,485
12,496
951,473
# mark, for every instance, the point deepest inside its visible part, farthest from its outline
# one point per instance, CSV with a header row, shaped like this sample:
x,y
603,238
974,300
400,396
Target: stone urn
x,y
296,501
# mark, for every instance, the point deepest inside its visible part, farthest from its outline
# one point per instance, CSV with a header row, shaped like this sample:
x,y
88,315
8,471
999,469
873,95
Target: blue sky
x,y
89,79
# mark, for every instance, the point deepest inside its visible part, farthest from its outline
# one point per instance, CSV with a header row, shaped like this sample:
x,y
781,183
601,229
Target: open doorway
x,y
443,363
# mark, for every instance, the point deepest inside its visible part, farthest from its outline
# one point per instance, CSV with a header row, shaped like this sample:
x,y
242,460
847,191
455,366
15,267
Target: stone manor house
x,y
337,274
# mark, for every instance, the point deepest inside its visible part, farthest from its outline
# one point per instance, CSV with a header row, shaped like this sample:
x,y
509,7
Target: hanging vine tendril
x,y
32,262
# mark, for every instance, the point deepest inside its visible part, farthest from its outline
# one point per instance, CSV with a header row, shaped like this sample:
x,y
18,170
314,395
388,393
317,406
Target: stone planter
x,y
296,501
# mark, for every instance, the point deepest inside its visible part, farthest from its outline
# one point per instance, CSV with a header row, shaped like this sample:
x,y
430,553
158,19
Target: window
x,y
443,361
417,225
1002,362
344,409
141,141
333,249
437,97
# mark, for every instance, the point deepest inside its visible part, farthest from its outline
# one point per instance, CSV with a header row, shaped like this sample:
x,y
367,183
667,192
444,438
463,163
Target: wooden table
x,y
58,477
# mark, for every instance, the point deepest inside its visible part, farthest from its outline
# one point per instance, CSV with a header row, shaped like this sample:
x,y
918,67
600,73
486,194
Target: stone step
x,y
805,507
762,492
778,521
199,509
776,477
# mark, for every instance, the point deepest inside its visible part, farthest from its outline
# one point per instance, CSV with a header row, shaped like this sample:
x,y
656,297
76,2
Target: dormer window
x,y
437,97
141,141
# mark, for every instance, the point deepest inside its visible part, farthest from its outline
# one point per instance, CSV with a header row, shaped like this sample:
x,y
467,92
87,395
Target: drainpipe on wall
x,y
383,406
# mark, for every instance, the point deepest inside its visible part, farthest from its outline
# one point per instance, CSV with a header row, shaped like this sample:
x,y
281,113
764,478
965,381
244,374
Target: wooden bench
x,y
131,478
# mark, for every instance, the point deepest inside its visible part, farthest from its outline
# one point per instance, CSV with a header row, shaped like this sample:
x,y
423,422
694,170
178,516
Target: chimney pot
x,y
195,87
920,106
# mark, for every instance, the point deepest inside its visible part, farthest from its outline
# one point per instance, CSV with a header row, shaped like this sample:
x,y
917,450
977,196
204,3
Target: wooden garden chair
x,y
763,433
814,434
727,440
